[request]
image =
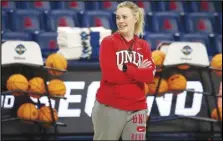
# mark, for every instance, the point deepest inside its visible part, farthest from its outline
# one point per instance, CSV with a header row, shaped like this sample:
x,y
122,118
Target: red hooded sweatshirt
x,y
124,90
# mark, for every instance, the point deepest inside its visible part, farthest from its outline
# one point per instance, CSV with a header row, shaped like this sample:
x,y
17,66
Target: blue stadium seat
x,y
218,43
91,5
166,22
98,18
47,42
203,38
218,6
74,5
61,18
38,5
148,6
219,21
203,6
8,5
27,20
155,38
173,6
16,36
4,21
108,5
200,22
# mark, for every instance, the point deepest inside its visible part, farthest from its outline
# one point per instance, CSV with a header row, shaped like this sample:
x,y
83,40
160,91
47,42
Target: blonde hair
x,y
138,13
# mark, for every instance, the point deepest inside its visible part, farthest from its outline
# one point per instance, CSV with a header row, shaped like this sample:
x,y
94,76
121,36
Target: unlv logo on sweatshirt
x,y
125,57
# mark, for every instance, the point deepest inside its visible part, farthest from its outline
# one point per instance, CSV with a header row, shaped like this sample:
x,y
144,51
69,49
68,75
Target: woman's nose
x,y
120,20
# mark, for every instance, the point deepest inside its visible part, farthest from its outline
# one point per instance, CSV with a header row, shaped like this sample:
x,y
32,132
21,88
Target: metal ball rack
x,y
31,71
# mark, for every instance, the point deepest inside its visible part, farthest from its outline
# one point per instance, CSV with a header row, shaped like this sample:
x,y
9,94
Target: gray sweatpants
x,y
111,123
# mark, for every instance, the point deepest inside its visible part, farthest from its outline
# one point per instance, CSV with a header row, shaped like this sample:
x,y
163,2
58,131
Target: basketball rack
x,y
29,67
184,50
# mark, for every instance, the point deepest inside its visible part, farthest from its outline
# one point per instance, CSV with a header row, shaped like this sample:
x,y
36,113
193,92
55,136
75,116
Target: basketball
x,y
57,87
158,58
17,82
177,82
45,114
56,61
153,86
184,67
214,113
27,111
216,62
37,85
146,88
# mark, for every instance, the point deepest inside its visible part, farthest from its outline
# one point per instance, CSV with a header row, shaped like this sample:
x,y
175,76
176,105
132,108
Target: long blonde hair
x,y
138,13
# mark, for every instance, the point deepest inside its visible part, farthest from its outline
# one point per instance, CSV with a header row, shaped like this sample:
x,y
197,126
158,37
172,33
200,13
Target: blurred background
x,y
169,21
165,21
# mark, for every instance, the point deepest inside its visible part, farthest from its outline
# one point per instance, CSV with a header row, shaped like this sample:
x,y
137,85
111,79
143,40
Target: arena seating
x,y
155,38
26,21
165,21
61,18
98,18
16,36
218,43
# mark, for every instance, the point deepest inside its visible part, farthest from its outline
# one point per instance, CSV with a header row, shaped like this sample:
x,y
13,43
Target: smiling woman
x,y
120,109
129,19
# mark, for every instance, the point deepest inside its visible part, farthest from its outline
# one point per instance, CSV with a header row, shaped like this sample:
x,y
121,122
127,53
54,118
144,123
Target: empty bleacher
x,y
165,21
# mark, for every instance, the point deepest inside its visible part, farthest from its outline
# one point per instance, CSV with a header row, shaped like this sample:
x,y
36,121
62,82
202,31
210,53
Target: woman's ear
x,y
136,20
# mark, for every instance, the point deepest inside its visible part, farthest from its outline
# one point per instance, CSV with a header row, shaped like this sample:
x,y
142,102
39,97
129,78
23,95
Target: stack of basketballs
x,y
217,64
177,82
56,87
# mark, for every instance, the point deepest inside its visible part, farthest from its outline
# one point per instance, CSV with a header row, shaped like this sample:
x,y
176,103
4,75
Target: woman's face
x,y
125,20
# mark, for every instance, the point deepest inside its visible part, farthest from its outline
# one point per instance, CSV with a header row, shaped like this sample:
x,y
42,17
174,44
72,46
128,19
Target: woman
x,y
120,109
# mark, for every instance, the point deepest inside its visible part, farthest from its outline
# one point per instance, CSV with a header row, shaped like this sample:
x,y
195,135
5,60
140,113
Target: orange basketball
x,y
184,67
37,85
28,111
56,61
153,86
177,82
216,62
146,88
17,82
57,87
214,114
158,58
45,114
